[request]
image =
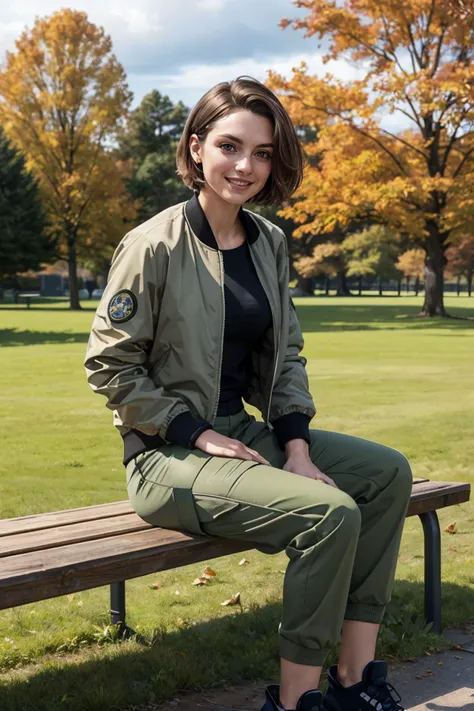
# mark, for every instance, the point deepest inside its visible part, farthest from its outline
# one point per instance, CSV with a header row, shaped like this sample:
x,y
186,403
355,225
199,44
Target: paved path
x,y
440,682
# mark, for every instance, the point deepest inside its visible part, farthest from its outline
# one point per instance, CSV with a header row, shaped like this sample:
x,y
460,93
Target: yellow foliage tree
x,y
416,59
63,96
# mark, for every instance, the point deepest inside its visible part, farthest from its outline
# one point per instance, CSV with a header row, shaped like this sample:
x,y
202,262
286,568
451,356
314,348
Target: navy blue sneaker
x,y
373,693
309,701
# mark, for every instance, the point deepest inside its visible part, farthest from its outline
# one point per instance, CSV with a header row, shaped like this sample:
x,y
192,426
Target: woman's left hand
x,y
302,465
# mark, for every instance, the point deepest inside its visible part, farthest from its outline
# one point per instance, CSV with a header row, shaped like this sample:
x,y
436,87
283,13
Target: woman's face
x,y
236,155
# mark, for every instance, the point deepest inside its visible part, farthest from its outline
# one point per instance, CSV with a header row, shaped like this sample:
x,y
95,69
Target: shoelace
x,y
384,692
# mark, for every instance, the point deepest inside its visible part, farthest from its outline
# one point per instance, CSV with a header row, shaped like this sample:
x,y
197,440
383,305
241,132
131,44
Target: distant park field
x,y
375,371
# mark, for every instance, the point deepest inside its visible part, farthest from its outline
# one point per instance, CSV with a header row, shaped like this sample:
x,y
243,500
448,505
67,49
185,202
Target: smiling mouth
x,y
240,183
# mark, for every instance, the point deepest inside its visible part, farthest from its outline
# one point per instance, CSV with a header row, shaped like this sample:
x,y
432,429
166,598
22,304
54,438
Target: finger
x,y
259,457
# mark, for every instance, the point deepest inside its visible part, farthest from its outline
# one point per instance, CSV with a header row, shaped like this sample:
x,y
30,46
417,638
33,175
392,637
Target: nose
x,y
243,165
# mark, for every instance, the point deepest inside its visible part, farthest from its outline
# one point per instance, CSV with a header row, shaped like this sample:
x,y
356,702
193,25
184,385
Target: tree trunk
x,y
399,287
458,285
305,286
408,284
73,285
328,283
469,283
360,286
417,285
380,287
342,288
434,281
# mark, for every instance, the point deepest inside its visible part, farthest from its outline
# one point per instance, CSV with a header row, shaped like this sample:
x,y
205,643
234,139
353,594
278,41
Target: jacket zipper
x,y
221,268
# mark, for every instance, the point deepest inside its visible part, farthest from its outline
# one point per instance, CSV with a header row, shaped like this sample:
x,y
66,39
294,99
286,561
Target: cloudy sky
x,y
183,47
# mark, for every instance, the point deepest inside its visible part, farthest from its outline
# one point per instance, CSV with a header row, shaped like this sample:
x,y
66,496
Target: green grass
x,y
374,372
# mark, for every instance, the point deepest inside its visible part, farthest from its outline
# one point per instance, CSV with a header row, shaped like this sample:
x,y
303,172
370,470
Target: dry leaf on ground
x,y
200,581
243,561
451,528
155,586
234,600
209,571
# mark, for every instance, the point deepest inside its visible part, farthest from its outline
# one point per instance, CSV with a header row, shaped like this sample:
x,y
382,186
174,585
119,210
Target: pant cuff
x,y
363,612
301,655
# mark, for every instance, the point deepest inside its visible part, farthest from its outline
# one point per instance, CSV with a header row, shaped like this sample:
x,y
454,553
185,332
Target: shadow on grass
x,y
368,317
14,337
241,646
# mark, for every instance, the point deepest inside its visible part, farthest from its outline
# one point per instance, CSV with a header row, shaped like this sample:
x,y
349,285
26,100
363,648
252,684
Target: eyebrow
x,y
237,140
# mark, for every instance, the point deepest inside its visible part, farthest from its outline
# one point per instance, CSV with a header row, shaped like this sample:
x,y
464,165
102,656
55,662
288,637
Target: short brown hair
x,y
288,158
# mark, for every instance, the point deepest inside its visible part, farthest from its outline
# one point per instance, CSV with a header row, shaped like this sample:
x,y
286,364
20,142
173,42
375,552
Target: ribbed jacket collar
x,y
202,229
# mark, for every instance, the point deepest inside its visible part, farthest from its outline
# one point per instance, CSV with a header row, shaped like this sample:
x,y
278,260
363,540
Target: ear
x,y
195,149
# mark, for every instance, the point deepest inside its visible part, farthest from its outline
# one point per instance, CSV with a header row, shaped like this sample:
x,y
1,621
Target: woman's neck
x,y
223,219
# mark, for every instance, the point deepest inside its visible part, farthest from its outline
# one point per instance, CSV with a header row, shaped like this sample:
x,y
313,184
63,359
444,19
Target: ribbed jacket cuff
x,y
292,426
184,429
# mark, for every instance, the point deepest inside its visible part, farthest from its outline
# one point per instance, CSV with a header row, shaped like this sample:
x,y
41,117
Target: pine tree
x,y
23,241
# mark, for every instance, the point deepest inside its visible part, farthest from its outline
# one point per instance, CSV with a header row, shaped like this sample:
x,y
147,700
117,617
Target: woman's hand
x,y
219,445
302,465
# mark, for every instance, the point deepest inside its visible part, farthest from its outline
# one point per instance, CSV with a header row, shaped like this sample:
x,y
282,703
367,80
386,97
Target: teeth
x,y
238,182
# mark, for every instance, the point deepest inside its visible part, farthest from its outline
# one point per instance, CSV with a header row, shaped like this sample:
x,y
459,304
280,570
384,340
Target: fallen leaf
x,y
234,600
80,603
456,657
200,581
176,592
418,676
206,577
243,561
155,586
428,654
440,663
452,549
209,571
429,672
451,528
70,597
283,572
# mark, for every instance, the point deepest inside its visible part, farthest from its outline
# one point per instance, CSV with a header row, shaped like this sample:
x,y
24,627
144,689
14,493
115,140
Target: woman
x,y
196,318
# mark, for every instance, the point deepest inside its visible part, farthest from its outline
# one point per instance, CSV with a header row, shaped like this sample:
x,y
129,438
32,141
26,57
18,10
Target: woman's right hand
x,y
219,445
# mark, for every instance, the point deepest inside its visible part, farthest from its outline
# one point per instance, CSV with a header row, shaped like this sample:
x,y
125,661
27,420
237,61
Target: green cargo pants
x,y
342,544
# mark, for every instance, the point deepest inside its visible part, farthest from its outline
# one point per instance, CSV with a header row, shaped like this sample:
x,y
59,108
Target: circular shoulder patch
x,y
122,306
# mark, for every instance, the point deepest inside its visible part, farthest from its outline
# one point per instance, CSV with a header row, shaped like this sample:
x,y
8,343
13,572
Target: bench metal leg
x,y
117,603
117,608
432,534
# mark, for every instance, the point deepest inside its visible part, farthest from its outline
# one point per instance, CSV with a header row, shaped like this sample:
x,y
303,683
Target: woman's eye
x,y
266,155
226,145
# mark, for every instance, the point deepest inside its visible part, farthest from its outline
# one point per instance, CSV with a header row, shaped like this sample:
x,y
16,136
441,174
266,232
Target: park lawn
x,y
374,372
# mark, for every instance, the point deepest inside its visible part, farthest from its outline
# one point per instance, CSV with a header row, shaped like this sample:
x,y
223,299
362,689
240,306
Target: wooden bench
x,y
27,296
52,554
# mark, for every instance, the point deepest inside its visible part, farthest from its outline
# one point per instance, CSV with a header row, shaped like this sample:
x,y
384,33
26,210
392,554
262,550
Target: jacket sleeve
x,y
292,404
122,336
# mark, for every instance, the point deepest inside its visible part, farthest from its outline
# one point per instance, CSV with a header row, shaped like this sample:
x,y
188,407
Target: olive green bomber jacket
x,y
155,348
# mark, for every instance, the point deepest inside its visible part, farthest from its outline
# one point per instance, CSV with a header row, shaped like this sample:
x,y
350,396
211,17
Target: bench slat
x,y
65,568
75,533
434,495
37,522
58,571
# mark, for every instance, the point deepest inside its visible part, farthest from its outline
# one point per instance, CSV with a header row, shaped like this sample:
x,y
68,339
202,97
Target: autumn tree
x,y
460,258
415,59
411,265
63,95
23,241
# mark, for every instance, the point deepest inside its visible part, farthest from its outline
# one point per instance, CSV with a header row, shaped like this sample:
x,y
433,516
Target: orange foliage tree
x,y
460,258
415,59
63,95
411,264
